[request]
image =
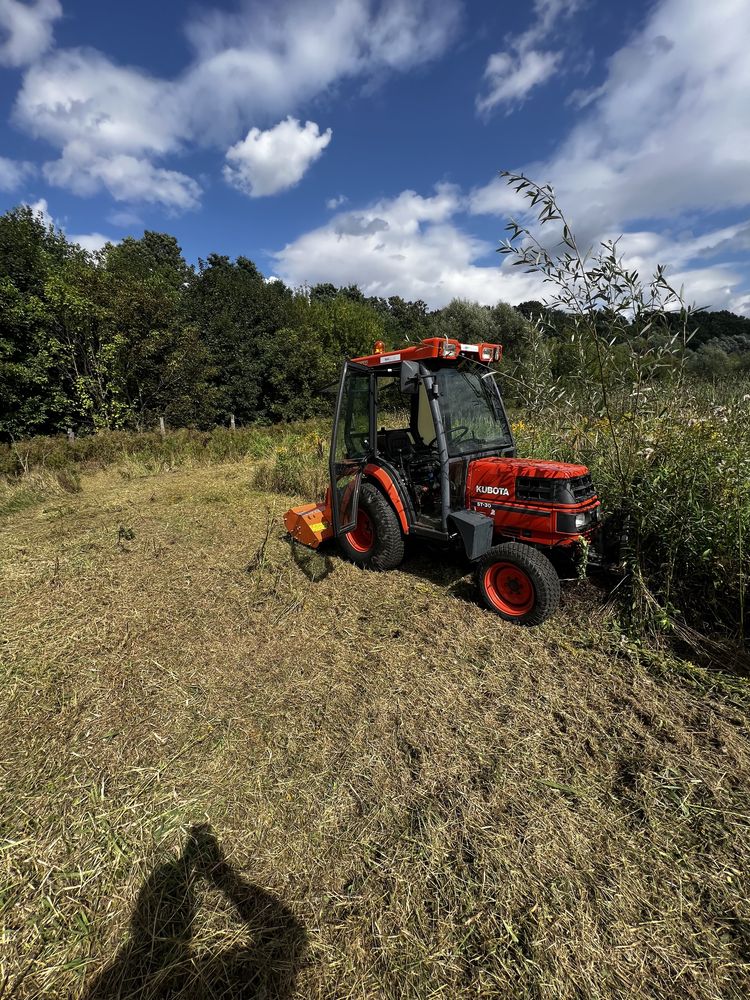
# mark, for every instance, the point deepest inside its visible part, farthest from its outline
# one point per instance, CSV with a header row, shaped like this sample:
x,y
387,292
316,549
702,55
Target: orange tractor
x,y
422,447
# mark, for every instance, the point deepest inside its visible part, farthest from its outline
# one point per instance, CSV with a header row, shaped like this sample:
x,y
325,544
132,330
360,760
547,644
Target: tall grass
x,y
671,457
686,512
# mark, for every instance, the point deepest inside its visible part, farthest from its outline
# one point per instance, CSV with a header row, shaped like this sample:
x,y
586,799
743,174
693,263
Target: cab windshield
x,y
473,414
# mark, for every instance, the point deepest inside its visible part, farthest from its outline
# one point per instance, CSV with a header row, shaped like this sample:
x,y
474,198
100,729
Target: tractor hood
x,y
529,481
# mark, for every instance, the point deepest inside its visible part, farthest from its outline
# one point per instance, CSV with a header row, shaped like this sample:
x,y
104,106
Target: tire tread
x,y
388,550
541,572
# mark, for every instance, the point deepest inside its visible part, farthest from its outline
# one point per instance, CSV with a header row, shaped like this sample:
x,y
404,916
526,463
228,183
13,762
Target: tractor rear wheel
x,y
518,583
376,540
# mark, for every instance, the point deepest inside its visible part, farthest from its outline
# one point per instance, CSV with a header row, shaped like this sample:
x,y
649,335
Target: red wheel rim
x,y
509,588
362,536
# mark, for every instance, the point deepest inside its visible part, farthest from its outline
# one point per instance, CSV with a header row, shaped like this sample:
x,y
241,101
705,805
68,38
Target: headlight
x,y
573,524
486,354
450,348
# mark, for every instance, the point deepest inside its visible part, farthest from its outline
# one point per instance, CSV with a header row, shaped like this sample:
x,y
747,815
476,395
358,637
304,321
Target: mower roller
x,y
422,448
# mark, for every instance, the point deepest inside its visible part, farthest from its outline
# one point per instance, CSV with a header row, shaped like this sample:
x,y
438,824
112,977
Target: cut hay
x,y
229,771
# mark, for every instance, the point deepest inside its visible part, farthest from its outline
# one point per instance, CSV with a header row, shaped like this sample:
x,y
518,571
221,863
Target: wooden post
x,y
71,436
231,422
162,427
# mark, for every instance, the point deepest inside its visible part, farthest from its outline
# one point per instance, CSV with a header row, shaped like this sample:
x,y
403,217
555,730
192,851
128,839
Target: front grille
x,y
535,488
582,487
538,489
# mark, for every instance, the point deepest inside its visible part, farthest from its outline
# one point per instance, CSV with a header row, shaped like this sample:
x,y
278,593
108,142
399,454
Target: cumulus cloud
x,y
336,202
512,73
250,64
669,131
666,137
92,242
408,245
13,173
267,162
41,208
108,122
26,29
127,178
111,123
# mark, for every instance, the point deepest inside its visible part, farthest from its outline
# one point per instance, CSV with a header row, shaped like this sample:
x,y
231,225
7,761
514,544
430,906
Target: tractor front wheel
x,y
376,540
518,583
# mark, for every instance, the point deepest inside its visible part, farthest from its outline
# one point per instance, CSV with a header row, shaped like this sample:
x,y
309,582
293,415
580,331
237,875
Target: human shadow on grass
x,y
159,960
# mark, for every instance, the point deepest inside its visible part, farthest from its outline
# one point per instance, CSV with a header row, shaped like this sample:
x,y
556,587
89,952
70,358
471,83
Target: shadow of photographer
x,y
159,959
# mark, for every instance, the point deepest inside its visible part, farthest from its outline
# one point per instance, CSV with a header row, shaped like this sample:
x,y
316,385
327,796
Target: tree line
x,y
121,338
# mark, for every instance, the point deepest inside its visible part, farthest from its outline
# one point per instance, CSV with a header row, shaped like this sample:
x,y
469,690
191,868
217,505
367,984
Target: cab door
x,y
351,443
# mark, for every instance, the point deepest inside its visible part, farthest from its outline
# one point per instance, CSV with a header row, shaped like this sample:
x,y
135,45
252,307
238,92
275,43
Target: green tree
x,y
150,353
36,264
237,314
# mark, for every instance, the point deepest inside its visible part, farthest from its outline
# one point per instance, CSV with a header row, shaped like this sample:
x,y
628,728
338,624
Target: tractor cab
x,y
422,446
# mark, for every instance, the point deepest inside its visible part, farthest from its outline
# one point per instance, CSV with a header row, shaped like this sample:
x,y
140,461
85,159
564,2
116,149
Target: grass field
x,y
233,769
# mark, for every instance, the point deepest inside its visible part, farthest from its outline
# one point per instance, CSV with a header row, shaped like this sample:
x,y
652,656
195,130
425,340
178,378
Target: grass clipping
x,y
234,768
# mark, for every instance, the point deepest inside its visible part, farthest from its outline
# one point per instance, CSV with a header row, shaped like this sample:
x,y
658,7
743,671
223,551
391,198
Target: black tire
x,y
518,583
386,550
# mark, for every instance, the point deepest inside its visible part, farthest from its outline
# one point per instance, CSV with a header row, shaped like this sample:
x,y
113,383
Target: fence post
x,y
71,436
162,427
231,421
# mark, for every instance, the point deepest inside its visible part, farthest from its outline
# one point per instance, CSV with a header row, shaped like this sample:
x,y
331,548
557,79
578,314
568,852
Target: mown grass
x,y
407,797
47,466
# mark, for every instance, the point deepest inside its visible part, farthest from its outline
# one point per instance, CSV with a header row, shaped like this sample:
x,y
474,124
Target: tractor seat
x,y
396,444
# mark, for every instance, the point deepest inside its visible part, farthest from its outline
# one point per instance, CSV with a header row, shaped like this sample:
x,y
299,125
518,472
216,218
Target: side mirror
x,y
409,377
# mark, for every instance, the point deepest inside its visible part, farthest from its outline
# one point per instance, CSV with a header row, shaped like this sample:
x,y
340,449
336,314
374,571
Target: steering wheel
x,y
458,433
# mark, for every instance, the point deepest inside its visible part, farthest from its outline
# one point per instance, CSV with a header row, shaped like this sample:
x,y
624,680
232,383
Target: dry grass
x,y
408,798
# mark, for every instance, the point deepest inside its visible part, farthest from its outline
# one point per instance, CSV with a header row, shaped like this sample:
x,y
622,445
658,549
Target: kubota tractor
x,y
422,447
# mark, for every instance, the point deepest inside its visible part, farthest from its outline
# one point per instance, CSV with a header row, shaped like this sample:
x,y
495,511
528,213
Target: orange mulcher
x,y
422,447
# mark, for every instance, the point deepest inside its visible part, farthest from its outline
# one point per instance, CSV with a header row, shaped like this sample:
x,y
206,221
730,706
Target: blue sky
x,y
360,140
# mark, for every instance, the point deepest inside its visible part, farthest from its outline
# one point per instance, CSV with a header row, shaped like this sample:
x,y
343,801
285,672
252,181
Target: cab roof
x,y
432,347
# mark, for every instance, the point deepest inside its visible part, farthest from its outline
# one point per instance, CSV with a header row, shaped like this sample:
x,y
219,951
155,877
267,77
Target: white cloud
x,y
512,73
40,207
13,173
92,242
108,121
265,163
127,178
80,96
125,219
251,65
112,122
407,246
740,304
669,131
666,137
336,202
26,29
413,246
511,77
